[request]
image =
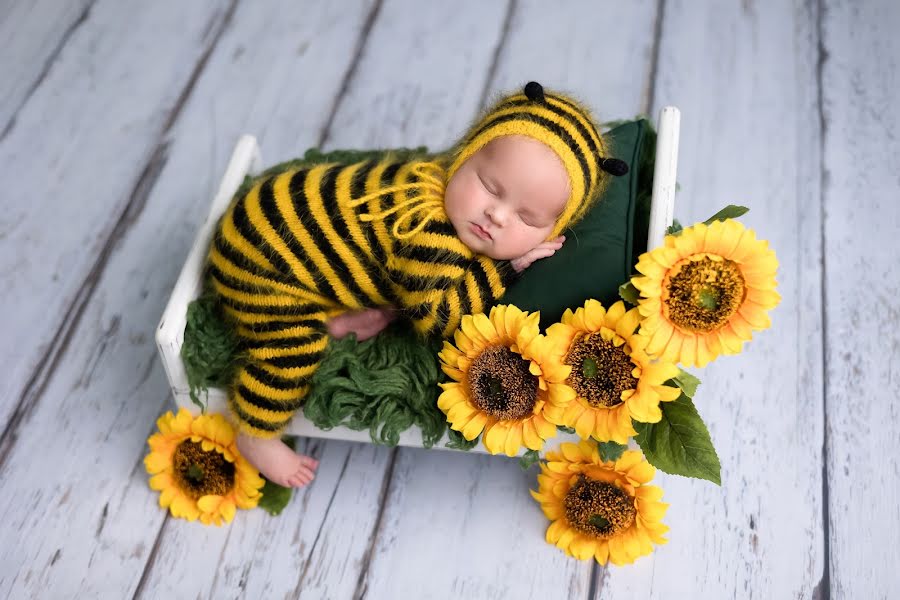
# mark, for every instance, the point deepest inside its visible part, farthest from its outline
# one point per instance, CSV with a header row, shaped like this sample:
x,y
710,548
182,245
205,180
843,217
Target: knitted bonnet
x,y
564,126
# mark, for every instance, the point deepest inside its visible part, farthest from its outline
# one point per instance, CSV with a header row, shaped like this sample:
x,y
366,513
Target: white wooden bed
x,y
247,160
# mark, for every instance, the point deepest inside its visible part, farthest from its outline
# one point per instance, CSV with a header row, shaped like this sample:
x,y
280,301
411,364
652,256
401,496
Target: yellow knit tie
x,y
428,198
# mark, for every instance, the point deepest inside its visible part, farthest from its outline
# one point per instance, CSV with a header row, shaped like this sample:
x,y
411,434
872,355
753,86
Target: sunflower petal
x,y
475,426
513,439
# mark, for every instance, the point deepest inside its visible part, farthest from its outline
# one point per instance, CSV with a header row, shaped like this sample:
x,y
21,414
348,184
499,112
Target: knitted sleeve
x,y
437,287
484,283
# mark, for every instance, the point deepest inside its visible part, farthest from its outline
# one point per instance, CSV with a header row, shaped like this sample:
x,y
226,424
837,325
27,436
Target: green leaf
x,y
687,382
458,442
274,498
729,212
565,429
610,450
629,293
680,444
529,458
675,228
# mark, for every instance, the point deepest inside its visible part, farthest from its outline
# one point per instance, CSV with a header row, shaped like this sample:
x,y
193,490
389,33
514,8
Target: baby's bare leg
x,y
277,461
365,324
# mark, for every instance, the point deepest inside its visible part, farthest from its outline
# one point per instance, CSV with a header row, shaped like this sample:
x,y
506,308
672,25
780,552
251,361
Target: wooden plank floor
x,y
116,120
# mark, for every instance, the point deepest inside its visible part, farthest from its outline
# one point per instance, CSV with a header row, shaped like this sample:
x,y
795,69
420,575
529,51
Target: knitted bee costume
x,y
305,245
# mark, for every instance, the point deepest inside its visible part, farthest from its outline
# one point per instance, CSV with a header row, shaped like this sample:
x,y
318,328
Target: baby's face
x,y
505,199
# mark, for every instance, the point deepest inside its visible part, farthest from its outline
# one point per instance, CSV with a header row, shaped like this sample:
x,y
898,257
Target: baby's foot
x,y
277,461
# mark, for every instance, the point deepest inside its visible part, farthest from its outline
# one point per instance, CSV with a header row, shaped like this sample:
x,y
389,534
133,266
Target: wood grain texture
x,y
465,526
82,509
599,52
76,169
32,34
132,100
744,76
313,549
419,77
860,87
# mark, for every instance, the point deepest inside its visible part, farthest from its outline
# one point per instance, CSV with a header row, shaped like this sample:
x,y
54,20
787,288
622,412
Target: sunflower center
x,y
199,472
598,508
703,294
600,370
502,385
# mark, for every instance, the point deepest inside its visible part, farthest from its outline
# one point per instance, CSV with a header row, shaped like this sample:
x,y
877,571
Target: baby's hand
x,y
544,250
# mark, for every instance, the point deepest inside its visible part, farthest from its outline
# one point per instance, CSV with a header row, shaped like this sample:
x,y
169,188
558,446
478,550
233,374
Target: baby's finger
x,y
540,253
546,245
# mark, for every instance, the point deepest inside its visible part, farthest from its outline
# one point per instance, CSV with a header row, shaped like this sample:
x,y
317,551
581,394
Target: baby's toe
x,y
297,480
309,462
305,473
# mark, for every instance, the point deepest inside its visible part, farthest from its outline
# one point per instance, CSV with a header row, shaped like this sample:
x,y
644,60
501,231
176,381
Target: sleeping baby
x,y
335,248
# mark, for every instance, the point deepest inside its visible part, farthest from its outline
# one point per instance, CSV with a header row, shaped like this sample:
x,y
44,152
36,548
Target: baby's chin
x,y
480,246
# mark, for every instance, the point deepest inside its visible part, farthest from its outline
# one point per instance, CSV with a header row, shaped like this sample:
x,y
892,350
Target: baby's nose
x,y
495,215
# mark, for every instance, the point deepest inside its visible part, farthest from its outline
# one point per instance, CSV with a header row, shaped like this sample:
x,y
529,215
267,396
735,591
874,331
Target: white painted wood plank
x,y
420,77
76,490
465,526
31,34
460,526
860,88
73,161
599,52
744,77
259,556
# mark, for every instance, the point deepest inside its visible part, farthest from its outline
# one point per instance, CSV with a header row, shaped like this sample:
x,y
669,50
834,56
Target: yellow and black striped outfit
x,y
305,245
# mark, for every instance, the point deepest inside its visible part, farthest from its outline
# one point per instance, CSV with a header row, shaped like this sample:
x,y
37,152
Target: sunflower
x,y
503,381
195,465
614,379
600,509
705,290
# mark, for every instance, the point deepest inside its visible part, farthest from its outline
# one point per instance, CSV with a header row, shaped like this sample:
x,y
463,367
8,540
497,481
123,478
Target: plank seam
x,y
495,60
594,583
315,543
351,72
151,559
48,63
362,584
650,95
215,581
42,374
822,591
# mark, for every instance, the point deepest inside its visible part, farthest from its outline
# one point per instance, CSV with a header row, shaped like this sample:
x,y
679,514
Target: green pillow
x,y
599,253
